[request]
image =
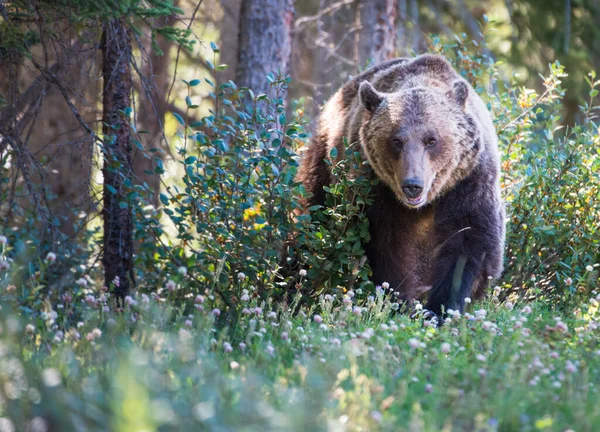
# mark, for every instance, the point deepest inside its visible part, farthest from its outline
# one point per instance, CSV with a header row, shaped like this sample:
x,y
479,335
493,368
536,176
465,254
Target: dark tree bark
x,y
377,37
264,42
117,169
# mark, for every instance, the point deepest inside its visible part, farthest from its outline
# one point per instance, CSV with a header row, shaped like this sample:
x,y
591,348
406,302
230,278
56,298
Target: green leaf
x,y
111,189
179,118
194,82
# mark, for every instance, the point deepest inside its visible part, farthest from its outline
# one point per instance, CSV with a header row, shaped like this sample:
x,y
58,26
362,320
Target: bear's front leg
x,y
469,227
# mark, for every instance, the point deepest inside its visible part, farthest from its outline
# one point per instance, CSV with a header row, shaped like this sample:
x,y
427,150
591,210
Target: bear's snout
x,y
412,187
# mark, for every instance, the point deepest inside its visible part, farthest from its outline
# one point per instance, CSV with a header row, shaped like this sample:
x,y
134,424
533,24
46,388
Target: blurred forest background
x,y
53,55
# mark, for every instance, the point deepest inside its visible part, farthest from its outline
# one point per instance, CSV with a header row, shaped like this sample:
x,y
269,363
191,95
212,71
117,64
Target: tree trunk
x,y
152,106
229,29
117,169
377,37
265,41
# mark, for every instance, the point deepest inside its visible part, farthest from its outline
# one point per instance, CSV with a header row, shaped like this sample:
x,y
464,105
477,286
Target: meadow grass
x,y
351,363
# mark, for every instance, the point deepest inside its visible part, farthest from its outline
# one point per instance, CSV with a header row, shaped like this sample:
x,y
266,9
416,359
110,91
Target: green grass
x,y
150,367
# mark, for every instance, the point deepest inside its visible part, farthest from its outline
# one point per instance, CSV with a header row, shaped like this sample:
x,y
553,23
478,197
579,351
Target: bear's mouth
x,y
415,202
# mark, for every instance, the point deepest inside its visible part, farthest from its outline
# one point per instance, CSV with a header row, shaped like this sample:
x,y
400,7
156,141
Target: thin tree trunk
x,y
152,107
229,30
117,170
377,38
265,41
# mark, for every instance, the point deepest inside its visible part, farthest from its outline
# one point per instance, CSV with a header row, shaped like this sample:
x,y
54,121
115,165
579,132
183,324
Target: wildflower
x,y
105,309
509,305
385,286
182,271
241,276
284,336
188,323
171,285
377,416
242,346
480,314
379,290
568,281
130,301
368,333
29,328
270,349
216,312
302,273
318,319
323,327
414,343
428,388
272,315
350,294
467,300
245,297
570,367
51,377
526,310
336,342
234,365
51,257
356,310
445,348
589,268
199,299
82,282
328,297
246,311
257,310
482,372
3,240
481,357
561,327
227,347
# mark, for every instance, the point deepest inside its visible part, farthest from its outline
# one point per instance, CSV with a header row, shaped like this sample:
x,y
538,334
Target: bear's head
x,y
420,141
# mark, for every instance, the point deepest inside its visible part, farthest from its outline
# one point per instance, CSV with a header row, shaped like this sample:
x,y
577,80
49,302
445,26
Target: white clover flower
x,y
589,268
81,282
188,323
318,319
272,315
234,365
481,357
357,310
3,240
350,294
570,367
285,336
445,348
509,305
182,271
385,285
29,328
302,273
480,314
241,276
245,297
414,343
270,349
568,281
227,347
467,300
526,310
199,299
323,327
216,312
242,346
171,285
130,301
51,257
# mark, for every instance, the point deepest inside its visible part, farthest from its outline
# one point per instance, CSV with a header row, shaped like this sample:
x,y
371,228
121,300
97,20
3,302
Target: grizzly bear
x,y
437,219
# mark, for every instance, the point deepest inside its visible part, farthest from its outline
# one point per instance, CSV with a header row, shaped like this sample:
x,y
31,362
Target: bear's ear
x,y
459,93
369,97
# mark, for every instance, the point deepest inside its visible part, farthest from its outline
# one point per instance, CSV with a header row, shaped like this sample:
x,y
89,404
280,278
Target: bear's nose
x,y
412,187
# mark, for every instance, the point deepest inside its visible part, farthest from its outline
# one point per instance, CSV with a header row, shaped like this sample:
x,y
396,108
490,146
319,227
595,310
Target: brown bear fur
x,y
418,119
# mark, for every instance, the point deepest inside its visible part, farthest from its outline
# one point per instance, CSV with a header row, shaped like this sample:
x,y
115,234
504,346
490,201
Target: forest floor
x,y
356,365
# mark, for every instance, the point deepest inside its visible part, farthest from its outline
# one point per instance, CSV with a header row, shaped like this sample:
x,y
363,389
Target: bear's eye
x,y
431,142
397,142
